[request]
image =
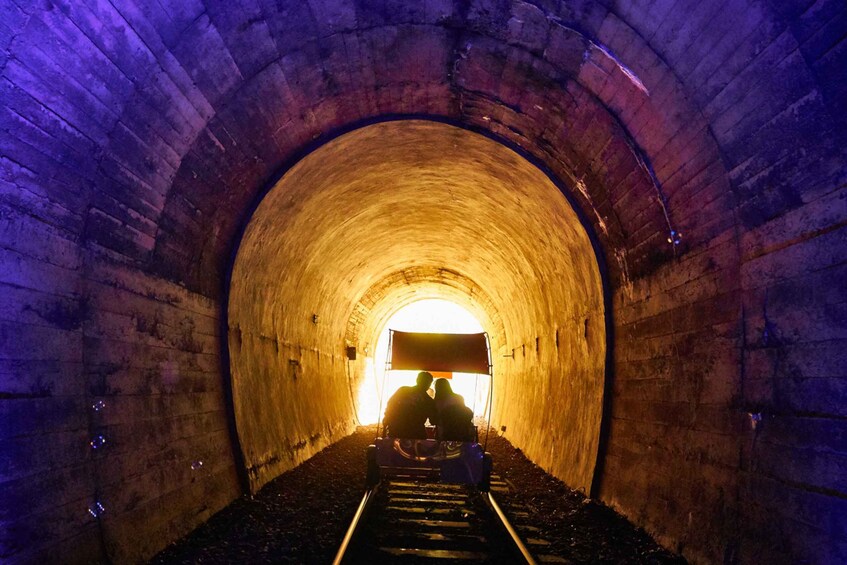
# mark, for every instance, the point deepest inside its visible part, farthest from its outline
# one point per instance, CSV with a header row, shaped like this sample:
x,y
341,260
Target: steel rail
x,y
515,538
369,496
353,525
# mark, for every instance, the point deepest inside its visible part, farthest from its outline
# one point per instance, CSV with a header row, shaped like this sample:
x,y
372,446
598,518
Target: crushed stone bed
x,y
301,516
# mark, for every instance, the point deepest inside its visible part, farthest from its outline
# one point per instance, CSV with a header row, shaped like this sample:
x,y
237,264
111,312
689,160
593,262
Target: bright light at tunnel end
x,y
427,316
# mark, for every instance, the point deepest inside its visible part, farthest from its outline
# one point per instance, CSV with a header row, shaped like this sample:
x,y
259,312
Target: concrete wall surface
x,y
412,196
687,210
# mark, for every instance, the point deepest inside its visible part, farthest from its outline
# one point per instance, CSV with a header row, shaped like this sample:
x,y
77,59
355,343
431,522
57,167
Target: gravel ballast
x,y
301,516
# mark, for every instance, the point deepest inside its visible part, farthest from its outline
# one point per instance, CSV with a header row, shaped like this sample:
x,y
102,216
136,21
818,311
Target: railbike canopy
x,y
460,353
454,461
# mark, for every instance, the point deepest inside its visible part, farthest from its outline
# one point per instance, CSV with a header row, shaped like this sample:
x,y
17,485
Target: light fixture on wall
x,y
755,419
675,237
97,441
96,509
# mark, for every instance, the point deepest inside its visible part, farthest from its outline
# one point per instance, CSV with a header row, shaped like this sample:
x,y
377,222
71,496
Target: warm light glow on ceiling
x,y
431,316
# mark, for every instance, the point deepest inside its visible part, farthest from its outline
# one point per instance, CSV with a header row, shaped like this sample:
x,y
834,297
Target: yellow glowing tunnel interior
x,y
386,216
428,315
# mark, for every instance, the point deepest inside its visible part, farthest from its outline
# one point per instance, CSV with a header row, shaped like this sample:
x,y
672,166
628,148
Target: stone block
x,y
75,56
51,451
246,33
334,16
47,82
65,532
792,259
203,54
807,466
114,235
820,28
48,130
397,12
717,59
528,27
44,492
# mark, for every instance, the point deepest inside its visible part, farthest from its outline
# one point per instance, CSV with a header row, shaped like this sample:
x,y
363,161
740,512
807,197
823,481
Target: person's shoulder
x,y
402,391
410,390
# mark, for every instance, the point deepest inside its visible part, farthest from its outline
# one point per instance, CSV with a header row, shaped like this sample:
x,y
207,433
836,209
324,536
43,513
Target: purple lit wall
x,y
703,145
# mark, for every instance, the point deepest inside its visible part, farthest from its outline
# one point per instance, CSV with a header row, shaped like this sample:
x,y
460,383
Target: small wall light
x,y
675,237
314,318
96,509
97,442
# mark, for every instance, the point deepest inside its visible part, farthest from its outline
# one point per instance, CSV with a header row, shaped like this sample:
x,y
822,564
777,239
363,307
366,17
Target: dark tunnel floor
x,y
301,516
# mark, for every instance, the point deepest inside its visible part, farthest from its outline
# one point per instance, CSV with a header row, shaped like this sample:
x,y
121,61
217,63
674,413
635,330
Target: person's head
x,y
442,387
424,380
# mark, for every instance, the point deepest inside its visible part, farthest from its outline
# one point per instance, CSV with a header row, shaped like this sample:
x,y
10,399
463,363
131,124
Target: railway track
x,y
409,519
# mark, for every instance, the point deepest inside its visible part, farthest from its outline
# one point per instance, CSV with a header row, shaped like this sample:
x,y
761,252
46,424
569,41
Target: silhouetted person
x,y
408,409
453,419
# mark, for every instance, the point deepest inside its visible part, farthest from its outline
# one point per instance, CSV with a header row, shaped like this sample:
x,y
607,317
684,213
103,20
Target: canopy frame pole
x,y
475,390
490,391
384,377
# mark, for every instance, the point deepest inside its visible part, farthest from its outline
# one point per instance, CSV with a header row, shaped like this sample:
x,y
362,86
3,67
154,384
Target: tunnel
x,y
410,210
209,210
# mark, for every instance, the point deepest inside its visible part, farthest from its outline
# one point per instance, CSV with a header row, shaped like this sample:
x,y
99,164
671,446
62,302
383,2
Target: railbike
x,y
422,471
463,462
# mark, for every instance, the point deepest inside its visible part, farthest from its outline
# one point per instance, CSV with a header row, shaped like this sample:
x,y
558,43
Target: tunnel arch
x,y
377,217
134,141
417,283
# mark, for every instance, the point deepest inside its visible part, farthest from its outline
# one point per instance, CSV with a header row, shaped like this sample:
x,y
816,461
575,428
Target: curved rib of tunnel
x,y
396,212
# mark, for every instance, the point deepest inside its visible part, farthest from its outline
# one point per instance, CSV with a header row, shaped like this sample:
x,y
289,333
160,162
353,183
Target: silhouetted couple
x,y
409,408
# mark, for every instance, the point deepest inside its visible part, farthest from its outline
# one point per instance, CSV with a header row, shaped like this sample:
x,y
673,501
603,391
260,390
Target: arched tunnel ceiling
x,y
408,194
358,226
614,130
403,287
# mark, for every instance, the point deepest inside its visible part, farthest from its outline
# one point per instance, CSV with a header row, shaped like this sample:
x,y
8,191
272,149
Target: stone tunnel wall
x,y
373,217
108,353
135,136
